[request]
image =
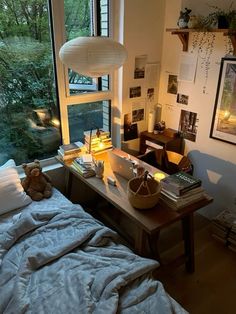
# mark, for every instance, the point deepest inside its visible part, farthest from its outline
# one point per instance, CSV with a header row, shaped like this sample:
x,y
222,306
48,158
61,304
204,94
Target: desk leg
x,y
140,241
153,244
188,235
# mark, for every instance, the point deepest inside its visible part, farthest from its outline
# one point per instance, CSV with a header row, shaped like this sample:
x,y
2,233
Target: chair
x,y
167,161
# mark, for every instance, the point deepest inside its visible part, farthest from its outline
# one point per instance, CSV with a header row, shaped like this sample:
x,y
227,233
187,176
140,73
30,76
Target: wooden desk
x,y
149,222
165,141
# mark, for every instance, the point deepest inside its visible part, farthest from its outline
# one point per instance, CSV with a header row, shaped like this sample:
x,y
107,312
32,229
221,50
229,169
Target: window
x,y
31,124
29,118
79,94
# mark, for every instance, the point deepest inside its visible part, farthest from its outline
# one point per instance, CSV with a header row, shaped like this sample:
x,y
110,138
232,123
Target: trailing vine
x,y
228,47
203,45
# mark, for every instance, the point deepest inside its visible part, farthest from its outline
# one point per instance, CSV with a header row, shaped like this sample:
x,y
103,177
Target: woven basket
x,y
143,195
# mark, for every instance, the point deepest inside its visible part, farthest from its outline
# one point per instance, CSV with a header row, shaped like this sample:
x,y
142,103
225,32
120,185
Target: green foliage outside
x,y
27,75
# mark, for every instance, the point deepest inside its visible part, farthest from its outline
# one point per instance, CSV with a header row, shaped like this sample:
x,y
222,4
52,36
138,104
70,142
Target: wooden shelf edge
x,y
198,30
183,34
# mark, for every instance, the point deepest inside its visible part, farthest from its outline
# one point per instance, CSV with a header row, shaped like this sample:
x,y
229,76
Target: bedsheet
x,y
59,259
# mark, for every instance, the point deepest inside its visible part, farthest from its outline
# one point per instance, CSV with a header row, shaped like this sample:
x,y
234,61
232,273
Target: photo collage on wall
x,y
188,121
172,88
141,94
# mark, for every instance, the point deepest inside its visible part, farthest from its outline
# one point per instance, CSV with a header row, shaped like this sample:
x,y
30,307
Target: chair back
x,y
167,161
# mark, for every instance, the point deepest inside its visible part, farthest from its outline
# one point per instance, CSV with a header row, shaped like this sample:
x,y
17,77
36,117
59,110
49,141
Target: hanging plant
x,y
219,18
203,45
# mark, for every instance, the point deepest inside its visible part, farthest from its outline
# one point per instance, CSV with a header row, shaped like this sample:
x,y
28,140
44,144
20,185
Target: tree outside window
x,y
29,115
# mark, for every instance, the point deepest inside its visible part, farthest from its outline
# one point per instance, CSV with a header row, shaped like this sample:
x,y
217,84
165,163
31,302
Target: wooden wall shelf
x,y
183,35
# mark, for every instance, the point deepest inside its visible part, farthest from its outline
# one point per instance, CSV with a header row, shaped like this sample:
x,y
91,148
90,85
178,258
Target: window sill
x,y
47,165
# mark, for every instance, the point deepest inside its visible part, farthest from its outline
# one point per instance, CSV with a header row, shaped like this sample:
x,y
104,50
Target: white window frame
x,y
65,99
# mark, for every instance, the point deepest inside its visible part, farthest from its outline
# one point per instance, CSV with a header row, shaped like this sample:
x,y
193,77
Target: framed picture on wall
x,y
223,125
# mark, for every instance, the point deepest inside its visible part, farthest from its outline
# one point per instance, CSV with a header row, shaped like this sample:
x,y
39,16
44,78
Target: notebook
x,y
121,165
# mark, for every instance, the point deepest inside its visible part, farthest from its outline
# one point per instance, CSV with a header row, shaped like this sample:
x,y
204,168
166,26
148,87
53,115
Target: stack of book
x,y
223,228
70,151
95,143
84,165
181,189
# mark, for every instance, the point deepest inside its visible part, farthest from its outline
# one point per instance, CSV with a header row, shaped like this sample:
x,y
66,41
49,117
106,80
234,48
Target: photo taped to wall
x,y
172,87
182,99
135,92
188,125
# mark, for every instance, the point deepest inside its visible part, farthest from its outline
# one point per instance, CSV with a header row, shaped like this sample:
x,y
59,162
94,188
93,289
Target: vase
x,y
193,21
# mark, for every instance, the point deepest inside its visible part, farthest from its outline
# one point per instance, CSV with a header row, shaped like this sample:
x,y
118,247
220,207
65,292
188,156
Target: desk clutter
x,y
223,228
181,189
69,151
97,140
84,165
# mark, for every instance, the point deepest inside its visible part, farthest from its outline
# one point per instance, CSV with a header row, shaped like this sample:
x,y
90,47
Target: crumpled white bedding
x,y
56,258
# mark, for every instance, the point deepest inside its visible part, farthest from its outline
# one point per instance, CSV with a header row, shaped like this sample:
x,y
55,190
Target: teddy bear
x,y
36,183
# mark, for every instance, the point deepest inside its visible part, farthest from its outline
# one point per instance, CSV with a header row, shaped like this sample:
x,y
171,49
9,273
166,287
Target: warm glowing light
x,y
101,144
226,114
55,122
158,176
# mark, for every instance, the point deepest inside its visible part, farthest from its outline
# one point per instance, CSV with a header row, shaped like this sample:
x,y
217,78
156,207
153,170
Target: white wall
x,y
143,31
214,161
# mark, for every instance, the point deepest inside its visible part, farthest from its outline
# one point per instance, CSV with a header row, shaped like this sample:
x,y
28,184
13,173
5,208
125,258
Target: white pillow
x,y
12,194
8,164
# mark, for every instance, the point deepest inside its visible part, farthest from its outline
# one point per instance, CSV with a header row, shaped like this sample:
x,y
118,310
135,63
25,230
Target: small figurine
x,y
184,18
159,127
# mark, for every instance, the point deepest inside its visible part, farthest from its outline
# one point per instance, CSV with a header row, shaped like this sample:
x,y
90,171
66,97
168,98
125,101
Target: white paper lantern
x,y
93,56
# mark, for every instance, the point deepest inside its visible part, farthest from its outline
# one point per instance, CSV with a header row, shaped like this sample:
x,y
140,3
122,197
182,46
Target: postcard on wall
x,y
188,125
138,112
139,67
130,129
182,99
150,94
152,73
172,86
135,92
187,67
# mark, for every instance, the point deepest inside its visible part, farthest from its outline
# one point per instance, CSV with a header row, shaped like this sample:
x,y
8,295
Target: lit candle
x,y
158,176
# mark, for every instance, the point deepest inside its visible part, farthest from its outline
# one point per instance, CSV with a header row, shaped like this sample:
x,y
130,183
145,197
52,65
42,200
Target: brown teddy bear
x,y
36,183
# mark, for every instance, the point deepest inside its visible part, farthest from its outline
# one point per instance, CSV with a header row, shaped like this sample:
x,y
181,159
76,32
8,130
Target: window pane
x,y
79,23
104,25
85,117
29,119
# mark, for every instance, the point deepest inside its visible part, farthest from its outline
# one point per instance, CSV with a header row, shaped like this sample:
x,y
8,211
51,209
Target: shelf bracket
x,y
184,39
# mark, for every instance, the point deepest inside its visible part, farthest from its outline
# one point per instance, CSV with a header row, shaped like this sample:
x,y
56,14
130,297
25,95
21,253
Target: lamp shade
x,y
93,56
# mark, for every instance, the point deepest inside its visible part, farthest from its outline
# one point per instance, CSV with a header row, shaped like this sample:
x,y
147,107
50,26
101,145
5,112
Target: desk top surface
x,y
151,220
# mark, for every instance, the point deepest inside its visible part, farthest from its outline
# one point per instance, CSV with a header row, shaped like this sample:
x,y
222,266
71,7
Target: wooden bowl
x,y
141,196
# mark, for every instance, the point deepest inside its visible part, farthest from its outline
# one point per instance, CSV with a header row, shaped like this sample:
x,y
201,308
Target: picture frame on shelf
x,y
223,126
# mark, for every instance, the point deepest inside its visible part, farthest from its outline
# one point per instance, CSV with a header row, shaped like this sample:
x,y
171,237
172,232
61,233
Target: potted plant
x,y
222,19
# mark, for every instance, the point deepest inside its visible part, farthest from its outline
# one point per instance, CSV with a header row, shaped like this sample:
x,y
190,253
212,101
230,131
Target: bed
x,y
56,258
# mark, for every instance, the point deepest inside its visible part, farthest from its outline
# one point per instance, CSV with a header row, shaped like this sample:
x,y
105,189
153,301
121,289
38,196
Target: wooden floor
x,y
211,289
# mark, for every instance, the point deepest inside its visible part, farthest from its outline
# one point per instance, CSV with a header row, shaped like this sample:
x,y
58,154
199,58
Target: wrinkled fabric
x,y
61,260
